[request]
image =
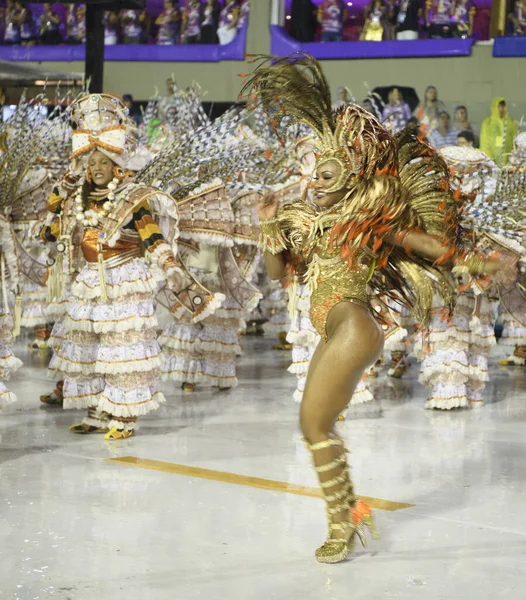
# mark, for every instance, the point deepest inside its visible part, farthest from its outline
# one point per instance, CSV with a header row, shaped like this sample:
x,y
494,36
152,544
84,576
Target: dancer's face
x,y
100,169
325,178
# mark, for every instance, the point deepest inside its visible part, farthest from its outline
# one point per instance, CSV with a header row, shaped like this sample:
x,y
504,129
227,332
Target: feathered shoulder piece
x,y
426,177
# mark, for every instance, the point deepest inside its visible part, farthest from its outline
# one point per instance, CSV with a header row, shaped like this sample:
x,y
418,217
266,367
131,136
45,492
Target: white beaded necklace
x,y
90,217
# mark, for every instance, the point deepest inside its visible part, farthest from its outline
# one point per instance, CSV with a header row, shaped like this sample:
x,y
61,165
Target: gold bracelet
x,y
271,237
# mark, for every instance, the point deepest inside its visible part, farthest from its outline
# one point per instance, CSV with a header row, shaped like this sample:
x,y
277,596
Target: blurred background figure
x,y
375,25
430,109
463,17
169,24
210,24
461,121
228,21
444,134
134,112
75,24
303,20
50,26
12,26
134,26
408,15
413,124
396,113
191,22
111,28
498,132
438,18
28,35
466,139
332,15
517,18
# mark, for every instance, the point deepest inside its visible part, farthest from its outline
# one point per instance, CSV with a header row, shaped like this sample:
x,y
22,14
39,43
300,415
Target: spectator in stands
x,y
444,134
396,113
81,18
413,125
27,25
210,23
498,132
408,15
517,18
111,28
462,122
72,24
374,28
438,18
12,27
191,22
169,23
228,21
303,20
391,9
50,26
332,15
463,17
466,139
429,111
244,13
134,25
134,112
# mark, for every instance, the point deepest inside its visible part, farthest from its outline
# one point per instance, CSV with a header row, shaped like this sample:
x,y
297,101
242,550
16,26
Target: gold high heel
x,y
339,497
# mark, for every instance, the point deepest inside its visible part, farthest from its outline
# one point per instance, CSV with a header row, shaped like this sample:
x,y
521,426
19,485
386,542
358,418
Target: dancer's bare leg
x,y
355,341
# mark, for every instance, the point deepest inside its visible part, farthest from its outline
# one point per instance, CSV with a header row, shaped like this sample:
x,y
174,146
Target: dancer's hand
x,y
268,206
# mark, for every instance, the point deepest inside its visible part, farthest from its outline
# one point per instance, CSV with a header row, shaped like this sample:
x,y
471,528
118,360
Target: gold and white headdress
x,y
100,123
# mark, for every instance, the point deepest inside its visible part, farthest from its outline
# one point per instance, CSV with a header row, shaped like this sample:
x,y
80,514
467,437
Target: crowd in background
x,y
337,20
432,118
178,22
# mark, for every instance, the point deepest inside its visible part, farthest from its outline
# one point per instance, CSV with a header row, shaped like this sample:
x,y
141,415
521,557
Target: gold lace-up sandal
x,y
347,516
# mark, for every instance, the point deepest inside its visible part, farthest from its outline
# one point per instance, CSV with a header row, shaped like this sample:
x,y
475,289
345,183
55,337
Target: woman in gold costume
x,y
365,230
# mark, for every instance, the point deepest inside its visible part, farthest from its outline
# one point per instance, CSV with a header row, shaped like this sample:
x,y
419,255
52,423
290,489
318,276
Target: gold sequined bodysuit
x,y
332,281
307,233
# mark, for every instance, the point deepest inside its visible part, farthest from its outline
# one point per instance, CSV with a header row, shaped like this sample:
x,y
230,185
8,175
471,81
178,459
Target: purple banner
x,y
134,52
282,44
509,47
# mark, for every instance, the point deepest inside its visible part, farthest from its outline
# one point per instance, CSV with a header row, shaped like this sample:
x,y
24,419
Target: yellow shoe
x,y
513,361
188,387
119,434
84,429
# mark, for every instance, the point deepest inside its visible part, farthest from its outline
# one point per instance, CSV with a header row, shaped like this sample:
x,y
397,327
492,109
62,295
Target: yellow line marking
x,y
255,482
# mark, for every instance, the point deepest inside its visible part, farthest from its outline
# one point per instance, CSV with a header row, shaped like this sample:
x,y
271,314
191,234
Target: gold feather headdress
x,y
295,86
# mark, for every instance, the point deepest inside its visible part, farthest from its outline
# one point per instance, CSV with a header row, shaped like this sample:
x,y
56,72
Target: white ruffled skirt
x,y
107,352
204,353
455,354
8,362
34,305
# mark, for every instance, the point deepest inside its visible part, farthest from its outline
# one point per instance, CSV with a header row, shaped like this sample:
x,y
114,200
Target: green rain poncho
x,y
497,134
